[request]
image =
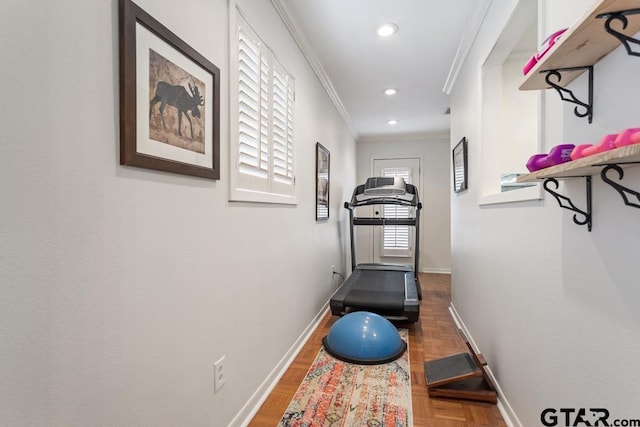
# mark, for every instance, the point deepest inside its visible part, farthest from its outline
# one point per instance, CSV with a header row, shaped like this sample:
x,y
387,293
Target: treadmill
x,y
392,291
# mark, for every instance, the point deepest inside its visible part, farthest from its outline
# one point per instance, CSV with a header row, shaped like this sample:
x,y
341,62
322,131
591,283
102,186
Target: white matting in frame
x,y
146,40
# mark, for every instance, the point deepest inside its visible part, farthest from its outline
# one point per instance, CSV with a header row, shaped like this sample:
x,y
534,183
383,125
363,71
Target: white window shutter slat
x,y
249,114
282,143
397,237
265,103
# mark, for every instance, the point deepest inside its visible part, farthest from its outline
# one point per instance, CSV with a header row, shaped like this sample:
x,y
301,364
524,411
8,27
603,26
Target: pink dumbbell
x,y
606,143
578,152
625,137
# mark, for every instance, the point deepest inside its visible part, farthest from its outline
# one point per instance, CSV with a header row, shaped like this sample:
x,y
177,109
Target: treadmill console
x,y
385,186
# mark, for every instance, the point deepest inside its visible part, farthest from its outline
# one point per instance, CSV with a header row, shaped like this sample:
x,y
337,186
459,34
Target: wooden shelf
x,y
583,44
586,166
579,49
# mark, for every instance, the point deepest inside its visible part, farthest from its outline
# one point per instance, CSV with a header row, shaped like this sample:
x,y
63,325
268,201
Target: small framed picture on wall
x,y
460,166
322,182
169,100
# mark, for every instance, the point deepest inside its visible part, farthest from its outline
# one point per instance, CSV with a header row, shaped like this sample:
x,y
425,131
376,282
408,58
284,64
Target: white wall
x,y
120,286
435,190
553,307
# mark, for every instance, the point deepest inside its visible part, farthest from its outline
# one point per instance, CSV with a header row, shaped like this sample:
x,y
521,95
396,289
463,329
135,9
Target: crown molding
x,y
292,22
466,43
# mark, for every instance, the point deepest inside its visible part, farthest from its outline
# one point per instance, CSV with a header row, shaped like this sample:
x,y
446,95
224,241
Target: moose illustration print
x,y
178,94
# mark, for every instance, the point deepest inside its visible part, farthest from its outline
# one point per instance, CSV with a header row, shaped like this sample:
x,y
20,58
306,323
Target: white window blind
x,y
262,148
396,238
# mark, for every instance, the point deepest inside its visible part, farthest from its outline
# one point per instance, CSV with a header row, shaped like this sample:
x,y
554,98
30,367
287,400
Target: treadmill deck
x,y
388,290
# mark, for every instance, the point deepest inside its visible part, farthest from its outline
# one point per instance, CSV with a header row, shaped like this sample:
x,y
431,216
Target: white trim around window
x,y
261,119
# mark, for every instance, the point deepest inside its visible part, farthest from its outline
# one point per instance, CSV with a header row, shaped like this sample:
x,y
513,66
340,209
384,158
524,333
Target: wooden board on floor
x,y
450,369
470,389
460,376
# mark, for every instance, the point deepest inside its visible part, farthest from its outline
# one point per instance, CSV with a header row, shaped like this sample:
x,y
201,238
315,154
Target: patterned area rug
x,y
336,393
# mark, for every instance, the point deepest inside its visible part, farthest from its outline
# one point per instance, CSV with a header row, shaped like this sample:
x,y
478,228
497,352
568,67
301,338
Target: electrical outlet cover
x,y
219,376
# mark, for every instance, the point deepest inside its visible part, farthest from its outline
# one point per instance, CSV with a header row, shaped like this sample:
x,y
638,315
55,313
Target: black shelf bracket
x,y
567,95
624,192
566,202
625,40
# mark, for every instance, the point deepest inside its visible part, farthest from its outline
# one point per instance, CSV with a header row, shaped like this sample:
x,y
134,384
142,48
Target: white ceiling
x,y
358,65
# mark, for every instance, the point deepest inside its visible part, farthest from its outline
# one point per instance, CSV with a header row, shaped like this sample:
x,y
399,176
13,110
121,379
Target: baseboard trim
x,y
249,410
436,270
504,407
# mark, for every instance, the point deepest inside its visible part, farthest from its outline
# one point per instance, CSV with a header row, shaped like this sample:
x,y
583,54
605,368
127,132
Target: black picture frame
x,y
158,69
323,167
460,174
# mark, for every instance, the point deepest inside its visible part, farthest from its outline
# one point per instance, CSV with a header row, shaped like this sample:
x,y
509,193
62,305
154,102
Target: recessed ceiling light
x,y
392,122
390,91
386,30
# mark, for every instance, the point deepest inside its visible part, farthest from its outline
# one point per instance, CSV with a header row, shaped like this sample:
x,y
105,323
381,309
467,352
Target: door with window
x,y
395,244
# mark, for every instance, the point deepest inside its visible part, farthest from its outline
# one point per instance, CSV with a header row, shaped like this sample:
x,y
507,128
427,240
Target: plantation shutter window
x,y
253,154
262,147
282,125
396,238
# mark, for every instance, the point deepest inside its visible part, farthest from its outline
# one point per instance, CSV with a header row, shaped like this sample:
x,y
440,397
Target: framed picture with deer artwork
x,y
169,99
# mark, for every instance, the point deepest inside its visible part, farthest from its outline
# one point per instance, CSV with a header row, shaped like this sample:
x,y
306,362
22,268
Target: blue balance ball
x,y
364,338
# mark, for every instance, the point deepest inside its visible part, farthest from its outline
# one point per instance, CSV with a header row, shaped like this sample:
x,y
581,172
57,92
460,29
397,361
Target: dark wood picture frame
x,y
460,174
323,163
154,58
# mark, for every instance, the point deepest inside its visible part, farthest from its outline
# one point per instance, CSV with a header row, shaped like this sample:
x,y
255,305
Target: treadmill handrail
x,y
410,189
384,221
385,200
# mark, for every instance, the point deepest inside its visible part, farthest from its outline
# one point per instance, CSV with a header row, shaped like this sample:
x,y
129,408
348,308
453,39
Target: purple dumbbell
x,y
560,154
537,162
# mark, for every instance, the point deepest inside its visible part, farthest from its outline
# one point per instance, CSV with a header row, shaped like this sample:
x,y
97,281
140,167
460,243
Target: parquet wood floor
x,y
434,336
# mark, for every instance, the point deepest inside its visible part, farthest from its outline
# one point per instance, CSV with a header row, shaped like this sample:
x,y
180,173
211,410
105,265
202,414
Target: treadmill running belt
x,y
376,290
